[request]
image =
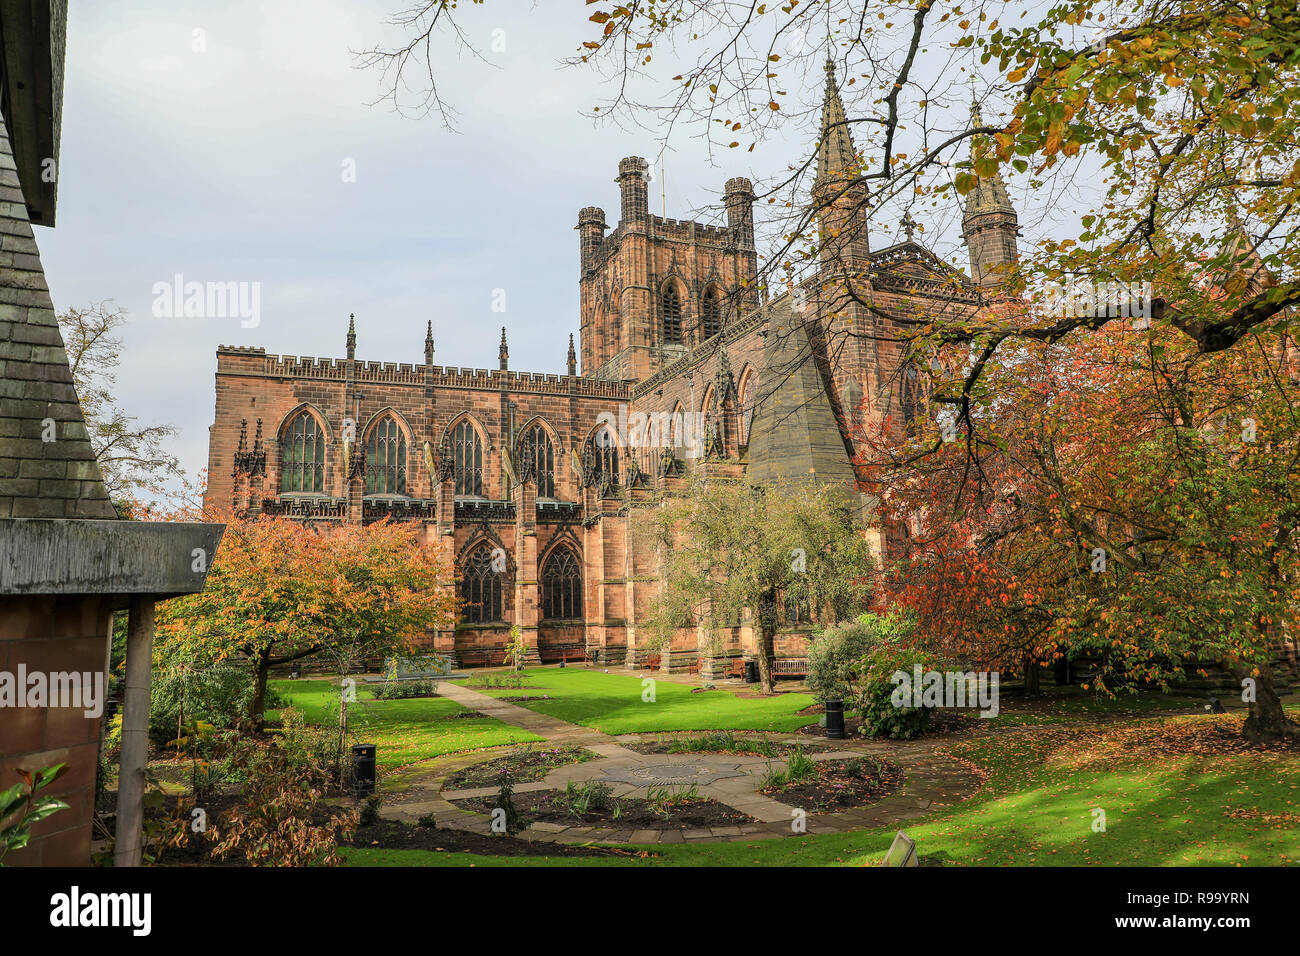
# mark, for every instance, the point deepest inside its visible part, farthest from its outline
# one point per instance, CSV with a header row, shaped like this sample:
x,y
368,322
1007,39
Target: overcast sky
x,y
227,165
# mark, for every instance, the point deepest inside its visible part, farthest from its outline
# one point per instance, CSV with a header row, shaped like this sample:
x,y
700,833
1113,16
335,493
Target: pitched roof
x,y
794,433
47,467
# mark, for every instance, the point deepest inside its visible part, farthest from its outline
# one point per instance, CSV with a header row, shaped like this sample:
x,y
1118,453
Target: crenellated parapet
x,y
233,360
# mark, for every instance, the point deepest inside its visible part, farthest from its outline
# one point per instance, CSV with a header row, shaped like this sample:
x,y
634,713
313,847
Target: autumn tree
x,y
1133,503
131,455
279,592
727,548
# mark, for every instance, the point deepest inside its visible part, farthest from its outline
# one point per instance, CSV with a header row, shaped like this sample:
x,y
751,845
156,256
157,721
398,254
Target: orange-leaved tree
x,y
279,591
1133,502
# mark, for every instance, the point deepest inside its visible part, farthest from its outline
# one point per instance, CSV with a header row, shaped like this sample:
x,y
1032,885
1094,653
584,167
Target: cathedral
x,y
526,481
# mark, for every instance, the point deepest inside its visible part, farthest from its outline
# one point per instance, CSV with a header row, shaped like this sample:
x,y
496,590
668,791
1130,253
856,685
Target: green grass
x,y
1059,705
612,704
406,731
1169,801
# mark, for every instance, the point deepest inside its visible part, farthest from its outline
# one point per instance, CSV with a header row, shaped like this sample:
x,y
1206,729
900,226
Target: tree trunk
x,y
261,670
765,634
1266,722
1031,677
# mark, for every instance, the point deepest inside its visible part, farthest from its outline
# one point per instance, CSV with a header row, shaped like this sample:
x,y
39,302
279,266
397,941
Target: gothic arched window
x,y
386,459
561,586
606,456
910,397
467,453
302,455
672,310
748,398
480,585
711,317
540,454
797,611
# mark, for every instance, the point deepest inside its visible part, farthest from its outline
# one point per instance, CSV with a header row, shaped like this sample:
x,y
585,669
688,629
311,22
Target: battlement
x,y
241,360
688,229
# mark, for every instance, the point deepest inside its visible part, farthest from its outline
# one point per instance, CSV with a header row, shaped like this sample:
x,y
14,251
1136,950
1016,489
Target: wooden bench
x,y
736,668
481,657
790,667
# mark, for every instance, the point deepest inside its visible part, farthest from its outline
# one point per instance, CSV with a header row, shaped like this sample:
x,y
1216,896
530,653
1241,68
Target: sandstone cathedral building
x,y
526,481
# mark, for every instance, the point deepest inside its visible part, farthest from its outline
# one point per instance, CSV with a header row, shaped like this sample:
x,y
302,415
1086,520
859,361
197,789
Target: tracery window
x,y
672,315
302,455
561,586
540,454
711,317
467,454
386,459
480,585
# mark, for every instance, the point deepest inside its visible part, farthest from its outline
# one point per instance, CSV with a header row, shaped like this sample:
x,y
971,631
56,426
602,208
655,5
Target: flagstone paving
x,y
931,779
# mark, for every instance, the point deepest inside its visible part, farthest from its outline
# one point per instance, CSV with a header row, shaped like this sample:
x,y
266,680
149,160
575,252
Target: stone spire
x,y
839,195
573,357
352,337
836,156
989,223
428,344
503,353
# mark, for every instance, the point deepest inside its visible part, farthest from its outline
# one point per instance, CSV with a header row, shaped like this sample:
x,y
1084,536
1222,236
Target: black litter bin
x,y
363,769
751,672
835,719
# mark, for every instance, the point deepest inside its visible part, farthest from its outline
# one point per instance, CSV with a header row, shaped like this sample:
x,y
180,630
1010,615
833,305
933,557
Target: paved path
x,y
930,779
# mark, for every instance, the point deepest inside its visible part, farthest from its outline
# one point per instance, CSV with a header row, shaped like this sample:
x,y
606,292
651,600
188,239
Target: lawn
x,y
1072,703
613,704
1176,792
406,731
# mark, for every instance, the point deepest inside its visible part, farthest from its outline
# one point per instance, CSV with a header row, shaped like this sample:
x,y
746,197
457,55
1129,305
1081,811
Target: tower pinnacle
x,y
989,223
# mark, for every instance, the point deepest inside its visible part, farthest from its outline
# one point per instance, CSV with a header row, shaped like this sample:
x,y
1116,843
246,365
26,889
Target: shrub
x,y
20,807
308,746
218,694
282,819
370,812
405,689
873,692
511,820
833,654
579,798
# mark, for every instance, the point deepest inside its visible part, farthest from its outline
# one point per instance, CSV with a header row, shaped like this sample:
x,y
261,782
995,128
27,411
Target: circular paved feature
x,y
671,774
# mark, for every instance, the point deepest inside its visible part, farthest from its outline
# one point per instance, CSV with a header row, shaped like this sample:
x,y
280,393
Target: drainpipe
x,y
135,731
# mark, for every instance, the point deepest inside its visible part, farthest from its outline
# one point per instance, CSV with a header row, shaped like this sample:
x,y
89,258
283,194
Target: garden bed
x,y
833,785
719,742
395,835
522,766
579,806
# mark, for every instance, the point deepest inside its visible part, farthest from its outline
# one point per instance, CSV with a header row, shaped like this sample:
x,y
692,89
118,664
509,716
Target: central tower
x,y
655,288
